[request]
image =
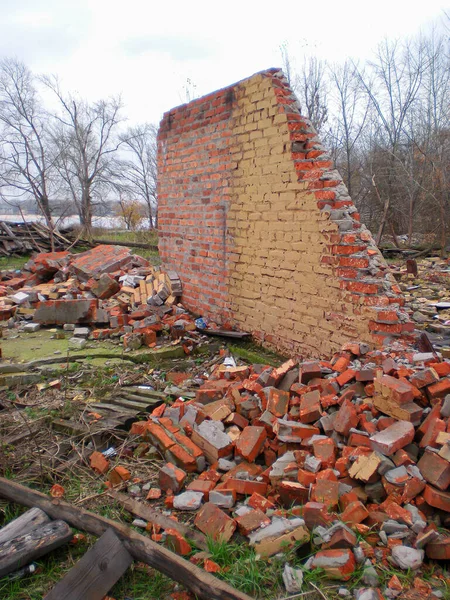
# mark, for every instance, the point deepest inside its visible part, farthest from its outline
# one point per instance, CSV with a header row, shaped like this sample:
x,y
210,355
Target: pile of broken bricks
x,y
350,455
116,294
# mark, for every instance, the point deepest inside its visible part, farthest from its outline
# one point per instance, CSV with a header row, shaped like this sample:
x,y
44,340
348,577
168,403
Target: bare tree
x,y
85,134
311,87
137,170
27,155
351,109
392,86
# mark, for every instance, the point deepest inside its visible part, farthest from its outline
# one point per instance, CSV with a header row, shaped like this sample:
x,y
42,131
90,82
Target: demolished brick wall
x,y
260,226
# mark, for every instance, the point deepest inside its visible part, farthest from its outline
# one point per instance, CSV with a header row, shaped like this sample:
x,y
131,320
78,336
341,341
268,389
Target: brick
x,y
99,463
337,564
393,438
325,491
394,389
437,498
325,451
308,371
423,378
223,498
251,442
365,468
346,418
439,549
254,519
292,493
247,487
316,513
342,538
278,402
435,469
176,542
171,478
310,409
258,501
203,486
439,389
355,512
213,522
118,475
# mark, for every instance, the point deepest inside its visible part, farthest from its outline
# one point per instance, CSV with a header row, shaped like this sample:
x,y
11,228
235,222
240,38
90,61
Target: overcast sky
x,y
147,49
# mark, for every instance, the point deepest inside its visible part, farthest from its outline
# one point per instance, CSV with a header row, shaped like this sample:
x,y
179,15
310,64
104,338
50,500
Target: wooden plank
x,y
143,549
146,512
32,519
115,409
147,393
137,406
25,548
96,572
138,398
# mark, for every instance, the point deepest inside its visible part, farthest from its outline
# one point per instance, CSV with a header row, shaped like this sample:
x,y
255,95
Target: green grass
x,y
13,262
142,236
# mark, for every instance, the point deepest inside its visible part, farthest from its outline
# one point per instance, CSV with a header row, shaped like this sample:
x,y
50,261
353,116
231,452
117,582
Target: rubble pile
x,y
115,293
350,455
425,285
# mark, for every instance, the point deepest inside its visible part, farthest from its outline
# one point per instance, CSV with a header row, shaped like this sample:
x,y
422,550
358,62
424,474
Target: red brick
x,y
435,469
355,512
99,463
346,418
310,408
278,402
260,502
337,564
439,389
251,442
325,491
171,478
437,498
316,513
325,451
292,493
215,523
308,371
204,486
394,437
251,520
118,475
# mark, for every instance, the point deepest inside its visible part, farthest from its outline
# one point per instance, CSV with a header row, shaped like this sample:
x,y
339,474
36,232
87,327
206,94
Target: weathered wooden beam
x,y
32,519
25,548
203,584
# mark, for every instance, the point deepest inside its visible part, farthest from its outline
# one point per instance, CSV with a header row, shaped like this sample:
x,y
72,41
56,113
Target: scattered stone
x,y
407,558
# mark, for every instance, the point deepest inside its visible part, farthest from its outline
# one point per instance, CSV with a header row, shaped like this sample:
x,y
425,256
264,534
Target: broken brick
x,y
212,521
251,442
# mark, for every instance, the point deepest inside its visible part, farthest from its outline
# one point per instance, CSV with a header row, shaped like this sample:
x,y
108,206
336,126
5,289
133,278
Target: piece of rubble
x,y
188,500
292,579
407,558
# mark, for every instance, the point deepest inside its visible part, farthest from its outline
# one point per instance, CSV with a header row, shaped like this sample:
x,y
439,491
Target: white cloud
x,y
147,50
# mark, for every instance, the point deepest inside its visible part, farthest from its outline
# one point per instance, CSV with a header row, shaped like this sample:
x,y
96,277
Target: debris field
x,y
346,461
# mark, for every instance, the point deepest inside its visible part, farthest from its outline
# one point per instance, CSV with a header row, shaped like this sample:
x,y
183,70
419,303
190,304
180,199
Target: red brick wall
x,y
194,164
260,227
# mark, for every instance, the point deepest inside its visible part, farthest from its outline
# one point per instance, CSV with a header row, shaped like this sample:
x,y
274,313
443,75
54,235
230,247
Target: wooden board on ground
x,y
96,572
